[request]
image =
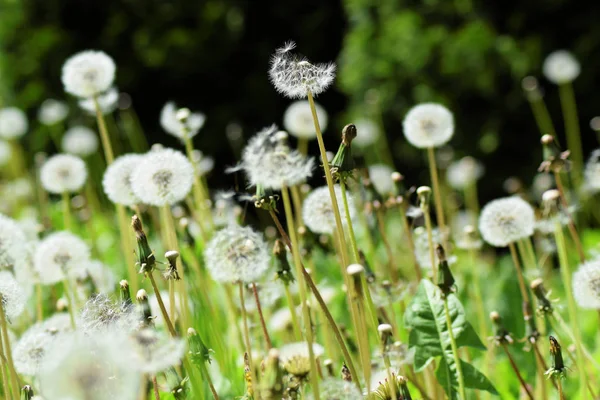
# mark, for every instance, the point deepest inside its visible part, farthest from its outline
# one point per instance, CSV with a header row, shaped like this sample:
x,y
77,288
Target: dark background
x,y
213,56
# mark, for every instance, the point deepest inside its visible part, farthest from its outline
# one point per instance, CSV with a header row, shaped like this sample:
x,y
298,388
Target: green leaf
x,y
473,378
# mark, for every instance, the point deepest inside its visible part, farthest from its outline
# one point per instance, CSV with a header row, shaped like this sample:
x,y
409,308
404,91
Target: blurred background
x,y
212,56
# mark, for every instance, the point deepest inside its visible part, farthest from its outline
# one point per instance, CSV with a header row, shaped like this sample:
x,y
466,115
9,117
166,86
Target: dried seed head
x,y
141,295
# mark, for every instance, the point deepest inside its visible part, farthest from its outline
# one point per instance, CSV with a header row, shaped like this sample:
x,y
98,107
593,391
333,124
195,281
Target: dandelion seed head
x,y
29,351
294,76
338,389
12,244
63,173
280,320
13,123
117,179
57,323
298,119
317,209
586,284
381,178
299,349
60,255
101,313
506,220
52,112
12,296
237,254
156,351
88,73
464,172
80,141
428,125
107,102
175,127
367,133
592,172
561,67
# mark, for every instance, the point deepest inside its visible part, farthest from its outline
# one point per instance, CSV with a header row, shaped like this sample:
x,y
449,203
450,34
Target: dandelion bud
x,y
146,260
529,83
62,304
532,332
424,194
346,375
141,295
171,271
284,271
356,271
342,164
501,336
495,317
328,364
183,114
385,334
26,392
554,159
558,369
544,307
142,298
125,294
446,280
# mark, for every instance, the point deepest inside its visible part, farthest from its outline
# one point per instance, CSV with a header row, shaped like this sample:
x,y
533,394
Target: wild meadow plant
x,y
357,288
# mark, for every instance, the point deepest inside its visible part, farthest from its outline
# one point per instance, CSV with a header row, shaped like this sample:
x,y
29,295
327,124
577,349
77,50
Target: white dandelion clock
x,y
29,351
51,112
317,210
117,180
592,172
12,296
295,77
5,153
163,177
58,323
586,285
175,127
506,220
298,120
237,254
81,366
367,133
101,314
290,351
63,173
464,172
13,123
335,388
80,141
60,255
12,245
107,102
561,67
156,351
88,73
428,125
381,178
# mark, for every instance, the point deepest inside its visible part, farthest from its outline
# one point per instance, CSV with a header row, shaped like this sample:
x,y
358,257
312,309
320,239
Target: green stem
x,y
430,242
437,195
127,247
14,378
66,206
206,376
200,196
542,116
246,331
569,109
459,372
162,307
295,324
104,138
68,292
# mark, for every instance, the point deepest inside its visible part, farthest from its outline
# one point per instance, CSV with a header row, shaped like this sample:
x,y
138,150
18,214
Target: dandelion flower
x,y
237,254
101,313
163,177
586,285
13,123
81,366
298,120
381,177
63,173
51,112
88,73
58,323
464,172
59,255
295,76
592,172
173,126
12,296
117,180
107,102
295,358
338,389
428,125
269,162
317,210
12,244
561,67
31,347
367,133
80,141
5,153
506,220
156,351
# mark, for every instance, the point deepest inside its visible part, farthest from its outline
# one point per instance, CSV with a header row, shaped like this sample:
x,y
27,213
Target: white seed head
x,y
428,125
101,314
88,73
5,153
12,295
80,141
464,172
174,126
13,123
506,220
592,172
355,269
107,102
381,178
163,177
237,254
298,120
60,255
63,173
298,349
280,320
586,285
367,133
52,112
561,67
12,245
336,388
117,179
103,277
156,351
29,351
80,366
294,76
317,209
58,323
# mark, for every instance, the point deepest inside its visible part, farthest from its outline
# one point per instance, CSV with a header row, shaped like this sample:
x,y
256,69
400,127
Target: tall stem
x,y
349,221
542,116
5,385
437,195
155,388
161,305
68,292
411,244
294,317
246,331
14,378
516,369
517,263
571,223
66,209
104,137
430,243
206,375
459,372
127,247
198,190
569,109
262,318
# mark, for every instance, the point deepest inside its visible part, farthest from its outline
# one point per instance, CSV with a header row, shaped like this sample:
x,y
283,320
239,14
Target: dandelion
x,y
298,120
104,278
88,73
175,127
561,67
381,178
52,112
367,133
280,320
59,255
295,76
80,141
156,351
295,357
63,173
101,313
592,172
89,367
586,285
163,177
57,323
31,347
464,172
12,245
338,389
13,123
506,220
117,180
237,254
12,296
317,210
5,153
428,125
107,102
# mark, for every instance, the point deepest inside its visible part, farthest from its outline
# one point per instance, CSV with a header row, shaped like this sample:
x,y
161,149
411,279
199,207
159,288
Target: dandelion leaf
x,y
474,379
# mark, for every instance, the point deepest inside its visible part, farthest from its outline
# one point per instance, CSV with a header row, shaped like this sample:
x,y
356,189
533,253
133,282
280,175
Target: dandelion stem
x,y
429,228
161,305
516,369
127,247
569,109
303,146
155,388
104,137
246,330
38,302
68,292
297,200
66,208
541,115
198,189
541,368
439,209
5,385
517,264
571,223
295,324
206,376
411,243
459,372
392,266
14,378
560,389
262,318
